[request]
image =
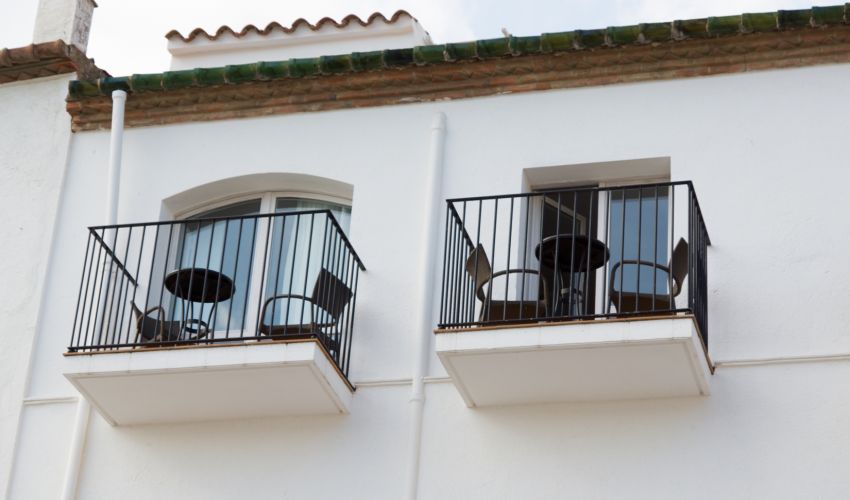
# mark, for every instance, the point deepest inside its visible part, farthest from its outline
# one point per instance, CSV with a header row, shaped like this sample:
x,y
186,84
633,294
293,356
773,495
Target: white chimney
x,y
66,20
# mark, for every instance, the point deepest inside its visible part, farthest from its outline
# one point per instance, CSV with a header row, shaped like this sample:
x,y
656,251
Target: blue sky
x,y
128,35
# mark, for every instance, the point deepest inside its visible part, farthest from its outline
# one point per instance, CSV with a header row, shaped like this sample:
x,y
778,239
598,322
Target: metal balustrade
x,y
583,253
281,276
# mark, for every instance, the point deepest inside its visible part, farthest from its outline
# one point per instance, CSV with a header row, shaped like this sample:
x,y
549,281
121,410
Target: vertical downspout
x,y
81,420
427,267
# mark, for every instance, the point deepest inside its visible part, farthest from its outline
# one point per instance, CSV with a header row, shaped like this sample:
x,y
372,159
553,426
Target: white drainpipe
x,y
428,271
81,420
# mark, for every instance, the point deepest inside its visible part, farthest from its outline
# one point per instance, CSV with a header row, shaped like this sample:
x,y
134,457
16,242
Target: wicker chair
x,y
154,330
648,303
329,298
478,268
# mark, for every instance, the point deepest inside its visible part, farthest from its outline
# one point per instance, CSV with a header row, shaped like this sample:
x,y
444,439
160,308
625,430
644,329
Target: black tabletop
x,y
199,285
563,244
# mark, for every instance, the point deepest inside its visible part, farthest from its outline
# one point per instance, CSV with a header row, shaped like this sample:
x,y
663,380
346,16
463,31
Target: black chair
x,y
154,330
649,303
478,268
329,298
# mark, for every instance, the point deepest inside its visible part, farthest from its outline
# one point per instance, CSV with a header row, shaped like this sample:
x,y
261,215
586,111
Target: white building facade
x,y
712,151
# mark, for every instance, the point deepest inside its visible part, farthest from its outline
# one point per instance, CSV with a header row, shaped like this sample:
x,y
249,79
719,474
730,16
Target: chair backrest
x,y
146,327
679,265
478,268
330,294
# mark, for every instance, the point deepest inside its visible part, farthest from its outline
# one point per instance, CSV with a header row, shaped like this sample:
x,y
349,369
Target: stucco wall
x,y
766,154
34,137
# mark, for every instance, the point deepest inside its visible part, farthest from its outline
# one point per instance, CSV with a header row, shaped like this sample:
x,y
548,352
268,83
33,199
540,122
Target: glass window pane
x,y
639,232
225,246
300,247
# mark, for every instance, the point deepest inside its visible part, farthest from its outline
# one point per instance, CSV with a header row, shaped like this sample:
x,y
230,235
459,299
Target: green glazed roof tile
x,y
692,28
82,88
462,51
172,80
525,45
794,18
468,51
367,61
330,65
656,32
238,73
558,42
429,54
273,70
108,84
623,35
146,82
589,39
725,25
398,57
494,47
307,66
759,23
825,16
210,76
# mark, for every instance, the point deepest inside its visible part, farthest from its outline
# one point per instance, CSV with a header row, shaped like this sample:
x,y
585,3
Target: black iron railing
x,y
225,279
581,253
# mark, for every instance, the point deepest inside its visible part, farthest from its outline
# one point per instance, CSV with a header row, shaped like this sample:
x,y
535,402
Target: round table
x,y
200,285
574,255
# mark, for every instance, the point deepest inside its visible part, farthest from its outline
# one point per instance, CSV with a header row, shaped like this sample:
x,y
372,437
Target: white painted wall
x,y
767,157
34,138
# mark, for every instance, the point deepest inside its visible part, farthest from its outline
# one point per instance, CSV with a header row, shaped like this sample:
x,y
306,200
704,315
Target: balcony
x,y
580,294
251,316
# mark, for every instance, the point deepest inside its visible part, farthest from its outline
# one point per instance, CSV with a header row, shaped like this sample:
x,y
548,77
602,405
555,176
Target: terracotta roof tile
x,y
46,59
299,24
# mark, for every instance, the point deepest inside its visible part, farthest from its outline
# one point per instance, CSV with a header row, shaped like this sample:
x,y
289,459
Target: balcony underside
x,y
577,361
191,384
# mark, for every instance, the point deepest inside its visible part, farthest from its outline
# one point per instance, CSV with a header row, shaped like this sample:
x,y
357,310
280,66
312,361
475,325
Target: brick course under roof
x,y
714,45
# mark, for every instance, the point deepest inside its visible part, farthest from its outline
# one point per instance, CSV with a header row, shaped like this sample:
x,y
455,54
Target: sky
x,y
128,36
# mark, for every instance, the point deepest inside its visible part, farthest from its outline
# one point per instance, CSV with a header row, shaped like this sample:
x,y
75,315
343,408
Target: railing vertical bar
x,y
122,304
462,275
524,260
445,288
585,298
218,282
306,272
294,258
235,274
571,291
606,288
105,280
269,227
655,250
277,273
555,290
477,257
136,288
622,252
492,258
204,287
639,241
508,261
77,311
670,281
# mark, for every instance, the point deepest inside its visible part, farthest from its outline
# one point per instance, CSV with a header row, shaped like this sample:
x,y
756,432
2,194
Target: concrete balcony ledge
x,y
599,360
220,382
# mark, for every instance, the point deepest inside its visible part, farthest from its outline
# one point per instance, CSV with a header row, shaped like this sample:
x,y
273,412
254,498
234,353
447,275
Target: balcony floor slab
x,y
221,382
599,360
